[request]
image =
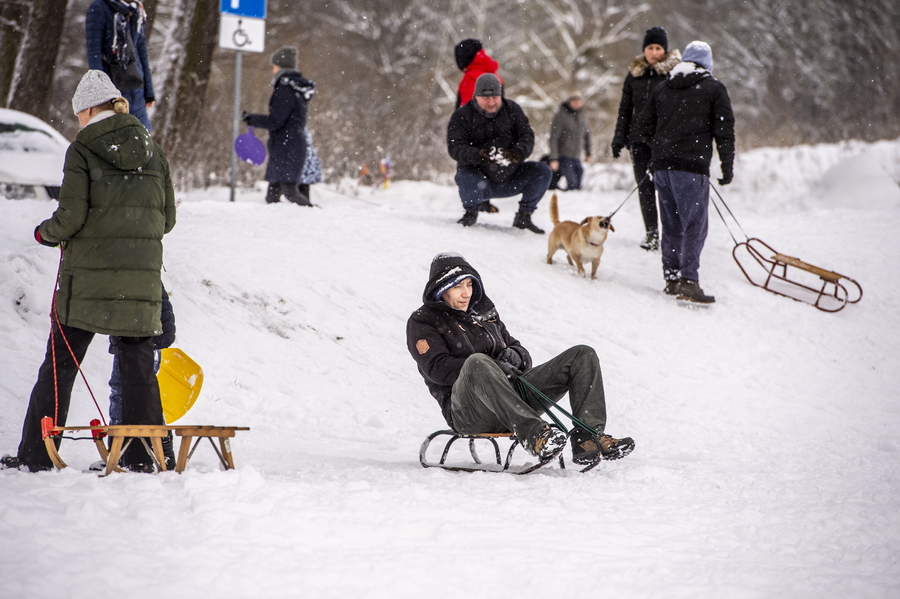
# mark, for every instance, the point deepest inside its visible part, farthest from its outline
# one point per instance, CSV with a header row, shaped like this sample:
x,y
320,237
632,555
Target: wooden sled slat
x,y
766,268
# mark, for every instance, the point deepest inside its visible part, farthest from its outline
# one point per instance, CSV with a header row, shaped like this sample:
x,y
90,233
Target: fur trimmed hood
x,y
640,64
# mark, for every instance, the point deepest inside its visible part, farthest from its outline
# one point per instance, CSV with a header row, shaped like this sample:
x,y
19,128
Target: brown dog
x,y
582,241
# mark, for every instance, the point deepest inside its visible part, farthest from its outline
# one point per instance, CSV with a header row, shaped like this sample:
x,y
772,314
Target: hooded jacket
x,y
440,338
640,81
115,205
682,118
286,123
99,31
569,134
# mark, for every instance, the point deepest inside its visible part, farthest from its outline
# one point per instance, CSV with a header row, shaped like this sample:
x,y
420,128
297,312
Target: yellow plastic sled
x,y
180,379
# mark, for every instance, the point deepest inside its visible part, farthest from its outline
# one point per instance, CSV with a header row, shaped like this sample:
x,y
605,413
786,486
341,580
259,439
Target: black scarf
x,y
123,12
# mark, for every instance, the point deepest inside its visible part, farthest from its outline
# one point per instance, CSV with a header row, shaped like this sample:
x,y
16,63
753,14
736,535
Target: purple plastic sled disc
x,y
249,149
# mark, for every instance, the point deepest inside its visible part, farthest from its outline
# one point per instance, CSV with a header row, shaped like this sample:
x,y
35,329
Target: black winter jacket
x,y
440,338
640,81
470,131
682,118
286,123
99,32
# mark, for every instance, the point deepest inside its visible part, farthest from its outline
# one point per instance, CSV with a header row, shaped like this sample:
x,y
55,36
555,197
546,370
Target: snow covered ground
x,y
767,460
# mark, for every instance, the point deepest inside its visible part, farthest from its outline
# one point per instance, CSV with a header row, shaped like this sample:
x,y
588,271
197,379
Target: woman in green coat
x,y
115,205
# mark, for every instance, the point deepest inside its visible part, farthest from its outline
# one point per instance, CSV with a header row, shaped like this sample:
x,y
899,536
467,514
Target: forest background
x,y
798,71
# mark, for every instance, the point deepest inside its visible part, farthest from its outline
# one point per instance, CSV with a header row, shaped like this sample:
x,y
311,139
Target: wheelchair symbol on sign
x,y
240,37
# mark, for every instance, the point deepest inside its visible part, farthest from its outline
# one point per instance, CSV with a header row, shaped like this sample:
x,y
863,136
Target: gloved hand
x,y
617,148
41,240
245,116
511,154
509,370
727,175
511,356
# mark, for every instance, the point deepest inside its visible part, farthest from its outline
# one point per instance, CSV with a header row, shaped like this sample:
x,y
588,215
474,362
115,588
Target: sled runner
x,y
766,268
123,434
498,465
826,290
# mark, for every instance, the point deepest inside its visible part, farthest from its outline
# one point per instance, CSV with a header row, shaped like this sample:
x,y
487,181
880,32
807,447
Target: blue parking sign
x,y
245,8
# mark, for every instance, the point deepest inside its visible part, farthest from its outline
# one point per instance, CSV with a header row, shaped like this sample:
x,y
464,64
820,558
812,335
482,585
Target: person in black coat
x,y
490,138
647,70
116,44
468,360
286,123
682,118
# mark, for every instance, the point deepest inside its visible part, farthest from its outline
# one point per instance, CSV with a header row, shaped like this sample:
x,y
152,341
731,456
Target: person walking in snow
x,y
490,138
647,70
683,116
473,61
468,360
115,205
569,136
286,123
116,45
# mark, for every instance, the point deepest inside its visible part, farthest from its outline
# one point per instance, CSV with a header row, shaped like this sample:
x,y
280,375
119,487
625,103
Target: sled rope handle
x,y
523,387
54,320
733,217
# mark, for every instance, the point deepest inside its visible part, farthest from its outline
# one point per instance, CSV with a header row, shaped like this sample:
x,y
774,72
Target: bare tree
x,y
32,72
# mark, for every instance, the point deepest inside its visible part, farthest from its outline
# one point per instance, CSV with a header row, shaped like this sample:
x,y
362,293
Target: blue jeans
x,y
531,180
684,211
137,105
571,169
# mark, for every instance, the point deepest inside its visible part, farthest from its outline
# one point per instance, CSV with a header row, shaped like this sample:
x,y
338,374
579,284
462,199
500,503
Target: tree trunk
x,y
181,107
14,18
32,76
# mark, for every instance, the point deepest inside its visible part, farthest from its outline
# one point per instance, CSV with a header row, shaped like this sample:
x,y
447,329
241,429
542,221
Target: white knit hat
x,y
94,89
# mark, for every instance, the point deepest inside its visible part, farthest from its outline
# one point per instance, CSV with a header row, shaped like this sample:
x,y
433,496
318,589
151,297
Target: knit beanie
x,y
488,84
285,57
465,52
656,35
699,53
94,89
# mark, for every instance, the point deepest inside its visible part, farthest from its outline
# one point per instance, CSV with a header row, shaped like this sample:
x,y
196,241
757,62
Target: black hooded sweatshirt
x,y
440,338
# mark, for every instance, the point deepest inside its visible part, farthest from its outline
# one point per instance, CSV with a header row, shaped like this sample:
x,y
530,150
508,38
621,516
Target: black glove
x,y
511,154
727,175
41,240
245,116
511,356
508,369
617,148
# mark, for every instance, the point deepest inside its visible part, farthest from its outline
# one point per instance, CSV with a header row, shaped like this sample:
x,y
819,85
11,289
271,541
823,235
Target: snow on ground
x,y
767,460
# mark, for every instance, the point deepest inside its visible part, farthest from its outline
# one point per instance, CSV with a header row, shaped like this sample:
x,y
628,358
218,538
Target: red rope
x,y
54,316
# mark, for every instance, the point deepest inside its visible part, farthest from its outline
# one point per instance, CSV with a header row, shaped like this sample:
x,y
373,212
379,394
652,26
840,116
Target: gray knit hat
x,y
94,89
699,53
488,84
285,57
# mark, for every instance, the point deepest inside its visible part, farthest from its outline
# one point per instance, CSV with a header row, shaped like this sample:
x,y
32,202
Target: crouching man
x,y
490,138
468,358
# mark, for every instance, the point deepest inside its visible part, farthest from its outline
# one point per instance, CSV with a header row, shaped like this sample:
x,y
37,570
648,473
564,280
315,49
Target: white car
x,y
32,154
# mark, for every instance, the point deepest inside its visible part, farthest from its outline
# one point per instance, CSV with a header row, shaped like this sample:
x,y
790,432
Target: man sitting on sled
x,y
469,360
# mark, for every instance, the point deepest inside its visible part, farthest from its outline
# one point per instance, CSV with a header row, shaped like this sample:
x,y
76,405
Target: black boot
x,y
651,241
690,291
523,221
468,219
168,445
672,286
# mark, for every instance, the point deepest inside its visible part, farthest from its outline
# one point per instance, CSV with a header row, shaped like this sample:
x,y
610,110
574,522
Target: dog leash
x,y
628,197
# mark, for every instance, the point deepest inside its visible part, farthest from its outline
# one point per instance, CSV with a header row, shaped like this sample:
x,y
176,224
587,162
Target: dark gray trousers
x,y
483,400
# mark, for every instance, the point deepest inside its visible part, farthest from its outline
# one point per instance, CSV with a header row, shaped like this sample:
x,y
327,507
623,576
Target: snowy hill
x,y
766,464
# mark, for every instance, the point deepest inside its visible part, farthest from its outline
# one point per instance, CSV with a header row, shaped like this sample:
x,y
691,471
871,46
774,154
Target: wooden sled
x,y
498,465
123,434
826,290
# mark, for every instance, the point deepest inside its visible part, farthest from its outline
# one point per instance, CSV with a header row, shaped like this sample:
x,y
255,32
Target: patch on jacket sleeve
x,y
422,346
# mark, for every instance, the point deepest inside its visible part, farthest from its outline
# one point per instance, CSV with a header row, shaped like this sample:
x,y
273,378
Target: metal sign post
x,y
242,27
